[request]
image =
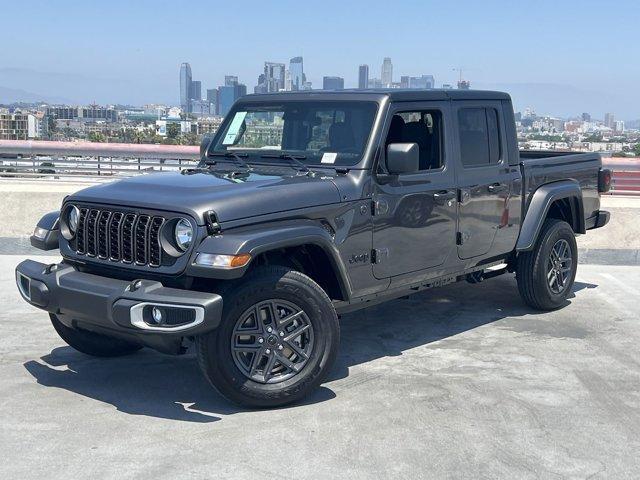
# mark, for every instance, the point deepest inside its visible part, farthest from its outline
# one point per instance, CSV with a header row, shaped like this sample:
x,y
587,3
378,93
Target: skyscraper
x,y
185,86
228,94
195,92
332,83
230,80
296,73
274,76
363,76
386,74
404,81
609,120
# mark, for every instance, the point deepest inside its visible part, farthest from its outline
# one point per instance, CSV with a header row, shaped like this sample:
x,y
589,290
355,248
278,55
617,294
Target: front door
x,y
415,214
484,179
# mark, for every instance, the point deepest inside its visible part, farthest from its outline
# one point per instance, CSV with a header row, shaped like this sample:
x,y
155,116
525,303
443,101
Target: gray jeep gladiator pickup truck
x,y
304,206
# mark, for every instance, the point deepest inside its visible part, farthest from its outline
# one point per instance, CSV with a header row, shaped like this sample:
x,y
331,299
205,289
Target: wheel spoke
x,y
255,361
283,322
297,349
296,332
287,363
269,367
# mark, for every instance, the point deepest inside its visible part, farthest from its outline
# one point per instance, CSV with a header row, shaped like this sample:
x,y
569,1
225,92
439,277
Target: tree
x,y
173,130
97,137
636,150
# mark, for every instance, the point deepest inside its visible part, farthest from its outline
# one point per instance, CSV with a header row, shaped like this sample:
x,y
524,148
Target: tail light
x,y
604,180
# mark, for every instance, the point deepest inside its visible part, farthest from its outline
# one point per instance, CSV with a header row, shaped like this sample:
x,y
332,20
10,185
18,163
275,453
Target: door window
x,y
423,127
479,136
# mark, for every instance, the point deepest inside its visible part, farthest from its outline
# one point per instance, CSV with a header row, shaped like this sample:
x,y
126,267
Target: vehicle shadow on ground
x,y
149,383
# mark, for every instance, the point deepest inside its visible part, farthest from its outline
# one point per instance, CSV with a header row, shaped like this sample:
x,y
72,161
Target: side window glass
x,y
479,136
423,127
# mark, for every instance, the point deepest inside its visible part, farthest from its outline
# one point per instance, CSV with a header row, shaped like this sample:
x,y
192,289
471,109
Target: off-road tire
x,y
91,343
532,267
214,349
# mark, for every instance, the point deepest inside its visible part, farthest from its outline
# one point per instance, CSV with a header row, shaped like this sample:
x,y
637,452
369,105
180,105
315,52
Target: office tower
x,y
261,87
464,85
363,76
227,95
296,74
274,76
196,90
586,117
423,81
212,99
609,120
332,83
185,86
230,80
387,72
404,81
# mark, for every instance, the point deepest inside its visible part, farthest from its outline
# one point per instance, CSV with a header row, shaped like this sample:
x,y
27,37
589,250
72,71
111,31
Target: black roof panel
x,y
394,94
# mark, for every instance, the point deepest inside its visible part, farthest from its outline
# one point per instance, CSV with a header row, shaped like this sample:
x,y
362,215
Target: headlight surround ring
x,y
183,234
69,222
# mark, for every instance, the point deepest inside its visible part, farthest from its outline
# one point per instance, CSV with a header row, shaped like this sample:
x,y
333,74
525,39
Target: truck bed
x,y
539,167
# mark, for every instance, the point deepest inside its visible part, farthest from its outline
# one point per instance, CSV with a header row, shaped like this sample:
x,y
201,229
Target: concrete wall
x,y
25,202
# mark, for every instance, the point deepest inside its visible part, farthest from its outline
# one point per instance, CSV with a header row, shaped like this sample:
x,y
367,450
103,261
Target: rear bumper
x,y
116,305
598,220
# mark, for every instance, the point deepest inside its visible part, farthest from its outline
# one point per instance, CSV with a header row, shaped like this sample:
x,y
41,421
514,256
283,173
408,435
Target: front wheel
x,y
277,340
545,275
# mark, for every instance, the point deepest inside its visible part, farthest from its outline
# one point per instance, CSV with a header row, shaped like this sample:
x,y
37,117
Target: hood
x,y
231,198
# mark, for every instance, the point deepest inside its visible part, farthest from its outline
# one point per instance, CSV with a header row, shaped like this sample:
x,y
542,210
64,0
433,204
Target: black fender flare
x,y
541,201
46,235
264,239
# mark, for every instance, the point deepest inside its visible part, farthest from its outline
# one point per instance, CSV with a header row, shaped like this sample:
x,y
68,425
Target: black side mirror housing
x,y
403,158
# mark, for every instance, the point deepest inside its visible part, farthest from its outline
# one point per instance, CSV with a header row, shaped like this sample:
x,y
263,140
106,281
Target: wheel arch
x,y
308,247
561,200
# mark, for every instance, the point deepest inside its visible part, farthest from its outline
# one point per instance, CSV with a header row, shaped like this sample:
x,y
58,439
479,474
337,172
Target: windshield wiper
x,y
295,159
237,158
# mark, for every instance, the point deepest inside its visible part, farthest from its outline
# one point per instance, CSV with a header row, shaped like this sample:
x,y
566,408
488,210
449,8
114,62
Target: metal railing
x,y
90,162
85,161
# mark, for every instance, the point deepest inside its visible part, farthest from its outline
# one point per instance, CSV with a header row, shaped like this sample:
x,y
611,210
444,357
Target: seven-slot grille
x,y
119,236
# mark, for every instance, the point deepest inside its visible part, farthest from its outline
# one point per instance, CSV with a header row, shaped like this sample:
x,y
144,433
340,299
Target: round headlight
x,y
183,234
74,214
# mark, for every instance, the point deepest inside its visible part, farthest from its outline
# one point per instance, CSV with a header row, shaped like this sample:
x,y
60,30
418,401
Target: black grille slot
x,y
127,237
103,238
155,251
81,247
142,226
114,236
119,236
92,220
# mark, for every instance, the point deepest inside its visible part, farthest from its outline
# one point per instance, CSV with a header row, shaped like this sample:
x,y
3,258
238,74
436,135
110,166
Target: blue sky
x,y
563,57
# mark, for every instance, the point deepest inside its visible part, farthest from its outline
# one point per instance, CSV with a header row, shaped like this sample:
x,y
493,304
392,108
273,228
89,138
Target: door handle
x,y
444,195
497,187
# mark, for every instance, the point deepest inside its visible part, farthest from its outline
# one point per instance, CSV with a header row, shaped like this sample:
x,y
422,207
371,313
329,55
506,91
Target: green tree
x,y
173,131
96,137
636,150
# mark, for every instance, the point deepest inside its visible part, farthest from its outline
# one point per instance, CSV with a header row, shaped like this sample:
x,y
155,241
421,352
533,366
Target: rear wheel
x,y
92,343
546,274
277,340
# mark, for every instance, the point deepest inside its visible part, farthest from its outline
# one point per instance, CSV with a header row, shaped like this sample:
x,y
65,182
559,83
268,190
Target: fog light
x,y
222,261
156,314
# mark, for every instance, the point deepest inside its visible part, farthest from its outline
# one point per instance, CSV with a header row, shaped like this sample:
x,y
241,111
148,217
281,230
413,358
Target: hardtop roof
x,y
394,94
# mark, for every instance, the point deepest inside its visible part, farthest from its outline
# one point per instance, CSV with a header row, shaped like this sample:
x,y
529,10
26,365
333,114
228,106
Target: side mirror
x,y
403,158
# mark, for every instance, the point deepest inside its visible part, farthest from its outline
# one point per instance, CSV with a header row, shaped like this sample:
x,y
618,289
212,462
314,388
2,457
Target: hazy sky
x,y
562,57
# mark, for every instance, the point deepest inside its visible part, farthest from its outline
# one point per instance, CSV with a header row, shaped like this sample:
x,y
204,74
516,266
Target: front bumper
x,y
102,303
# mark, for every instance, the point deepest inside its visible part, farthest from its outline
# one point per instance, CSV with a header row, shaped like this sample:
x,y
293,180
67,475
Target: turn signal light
x,y
222,261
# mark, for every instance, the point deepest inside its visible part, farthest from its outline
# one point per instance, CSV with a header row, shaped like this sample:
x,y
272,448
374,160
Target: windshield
x,y
329,133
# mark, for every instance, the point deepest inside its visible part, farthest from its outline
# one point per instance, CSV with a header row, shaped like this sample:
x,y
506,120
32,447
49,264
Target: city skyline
x,y
533,53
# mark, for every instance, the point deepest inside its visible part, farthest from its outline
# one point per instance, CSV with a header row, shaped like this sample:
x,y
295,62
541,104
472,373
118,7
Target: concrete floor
x,y
460,382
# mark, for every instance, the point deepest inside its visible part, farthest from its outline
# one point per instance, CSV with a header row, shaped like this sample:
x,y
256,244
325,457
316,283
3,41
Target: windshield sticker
x,y
329,157
234,128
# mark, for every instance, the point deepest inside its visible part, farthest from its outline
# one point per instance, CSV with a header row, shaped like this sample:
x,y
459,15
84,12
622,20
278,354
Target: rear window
x,y
479,136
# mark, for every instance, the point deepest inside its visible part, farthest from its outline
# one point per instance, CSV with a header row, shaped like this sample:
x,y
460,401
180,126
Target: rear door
x,y
484,176
415,214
